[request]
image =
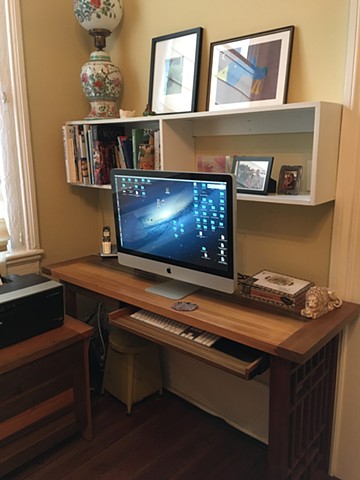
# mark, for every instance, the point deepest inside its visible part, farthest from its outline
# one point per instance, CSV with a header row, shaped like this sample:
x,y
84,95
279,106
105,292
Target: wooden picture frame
x,y
289,179
252,174
174,72
250,71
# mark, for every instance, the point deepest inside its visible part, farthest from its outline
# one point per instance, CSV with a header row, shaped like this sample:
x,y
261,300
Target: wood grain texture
x,y
295,339
44,392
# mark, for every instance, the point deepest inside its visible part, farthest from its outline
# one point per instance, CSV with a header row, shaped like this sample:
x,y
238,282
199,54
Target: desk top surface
x,y
294,339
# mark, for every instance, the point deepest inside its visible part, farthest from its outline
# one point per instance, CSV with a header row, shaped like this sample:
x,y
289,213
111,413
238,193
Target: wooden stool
x,y
132,368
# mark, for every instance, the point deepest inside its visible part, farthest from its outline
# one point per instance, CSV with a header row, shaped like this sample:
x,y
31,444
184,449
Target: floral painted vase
x,y
94,14
102,84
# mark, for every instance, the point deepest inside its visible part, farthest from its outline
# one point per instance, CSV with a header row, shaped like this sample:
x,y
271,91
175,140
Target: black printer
x,y
29,305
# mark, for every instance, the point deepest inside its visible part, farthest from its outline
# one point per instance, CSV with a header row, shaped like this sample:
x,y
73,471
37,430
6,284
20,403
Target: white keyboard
x,y
191,333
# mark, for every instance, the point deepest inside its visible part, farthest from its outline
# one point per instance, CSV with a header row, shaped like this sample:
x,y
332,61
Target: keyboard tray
x,y
237,350
234,358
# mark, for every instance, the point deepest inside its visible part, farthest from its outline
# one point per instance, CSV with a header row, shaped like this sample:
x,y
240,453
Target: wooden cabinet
x,y
306,132
44,393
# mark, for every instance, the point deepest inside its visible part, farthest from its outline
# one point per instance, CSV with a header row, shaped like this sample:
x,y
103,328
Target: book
x,y
281,283
77,154
157,154
104,140
138,136
69,151
83,157
146,158
90,155
275,289
125,144
122,161
104,163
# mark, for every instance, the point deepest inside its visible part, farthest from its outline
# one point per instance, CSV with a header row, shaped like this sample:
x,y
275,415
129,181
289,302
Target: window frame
x,y
18,175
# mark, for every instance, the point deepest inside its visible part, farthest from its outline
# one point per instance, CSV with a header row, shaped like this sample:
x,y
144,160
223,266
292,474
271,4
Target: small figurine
x,y
320,300
148,111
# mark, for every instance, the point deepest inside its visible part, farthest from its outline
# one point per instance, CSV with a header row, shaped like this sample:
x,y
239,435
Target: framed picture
x,y
252,174
289,180
250,71
174,72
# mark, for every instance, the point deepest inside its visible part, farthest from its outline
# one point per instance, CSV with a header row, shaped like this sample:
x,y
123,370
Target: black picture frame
x,y
250,71
290,179
252,174
174,72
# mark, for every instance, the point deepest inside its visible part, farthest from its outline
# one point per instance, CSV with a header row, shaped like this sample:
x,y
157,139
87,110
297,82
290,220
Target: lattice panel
x,y
311,391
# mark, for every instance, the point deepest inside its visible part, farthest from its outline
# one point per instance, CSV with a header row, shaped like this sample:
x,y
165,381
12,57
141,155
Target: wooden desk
x,y
44,392
303,355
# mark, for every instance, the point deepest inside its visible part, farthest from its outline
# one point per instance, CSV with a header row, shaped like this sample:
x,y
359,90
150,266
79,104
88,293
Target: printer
x,y
29,305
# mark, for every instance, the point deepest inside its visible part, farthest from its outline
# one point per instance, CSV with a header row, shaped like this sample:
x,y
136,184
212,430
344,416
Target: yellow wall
x,y
295,240
318,54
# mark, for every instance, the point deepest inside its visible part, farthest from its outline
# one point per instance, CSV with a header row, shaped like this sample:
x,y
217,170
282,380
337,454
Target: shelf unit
x,y
179,134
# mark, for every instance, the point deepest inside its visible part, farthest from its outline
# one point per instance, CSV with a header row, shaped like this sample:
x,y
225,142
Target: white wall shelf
x,y
179,134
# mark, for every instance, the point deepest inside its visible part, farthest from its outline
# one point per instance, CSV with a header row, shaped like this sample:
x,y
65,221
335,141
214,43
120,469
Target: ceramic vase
x,y
102,84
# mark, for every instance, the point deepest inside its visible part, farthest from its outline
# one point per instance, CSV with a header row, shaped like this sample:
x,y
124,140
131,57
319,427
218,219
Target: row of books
x,y
91,151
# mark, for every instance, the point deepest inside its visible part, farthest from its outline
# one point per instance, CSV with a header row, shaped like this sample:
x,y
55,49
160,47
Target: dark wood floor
x,y
165,438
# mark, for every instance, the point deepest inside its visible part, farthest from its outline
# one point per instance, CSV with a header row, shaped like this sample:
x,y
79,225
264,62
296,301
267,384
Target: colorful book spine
x,y
138,136
69,150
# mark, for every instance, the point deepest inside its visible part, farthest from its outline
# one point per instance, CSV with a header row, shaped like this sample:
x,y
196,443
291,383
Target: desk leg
x,y
70,301
82,399
301,415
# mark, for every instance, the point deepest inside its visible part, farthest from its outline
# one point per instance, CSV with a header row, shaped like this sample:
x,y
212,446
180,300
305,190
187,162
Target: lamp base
x,y
103,109
102,84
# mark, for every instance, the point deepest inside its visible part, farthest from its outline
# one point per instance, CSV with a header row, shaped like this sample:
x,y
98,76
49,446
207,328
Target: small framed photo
x,y
174,72
252,174
289,179
250,71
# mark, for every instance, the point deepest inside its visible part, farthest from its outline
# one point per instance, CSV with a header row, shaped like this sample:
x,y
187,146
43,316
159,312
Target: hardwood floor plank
x,y
165,438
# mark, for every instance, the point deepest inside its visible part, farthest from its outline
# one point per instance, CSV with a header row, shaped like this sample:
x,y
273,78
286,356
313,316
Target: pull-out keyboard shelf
x,y
246,368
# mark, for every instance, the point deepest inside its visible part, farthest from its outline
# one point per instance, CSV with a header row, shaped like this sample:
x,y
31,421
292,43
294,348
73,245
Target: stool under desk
x,y
302,355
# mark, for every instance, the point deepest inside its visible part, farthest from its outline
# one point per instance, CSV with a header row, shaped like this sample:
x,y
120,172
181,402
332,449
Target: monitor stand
x,y
173,289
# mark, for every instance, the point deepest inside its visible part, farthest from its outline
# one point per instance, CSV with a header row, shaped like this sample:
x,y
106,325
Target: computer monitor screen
x,y
180,225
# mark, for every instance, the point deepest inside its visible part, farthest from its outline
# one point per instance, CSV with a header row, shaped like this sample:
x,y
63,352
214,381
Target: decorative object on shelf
x,y
320,300
289,179
250,71
126,113
252,174
148,111
100,79
174,72
214,163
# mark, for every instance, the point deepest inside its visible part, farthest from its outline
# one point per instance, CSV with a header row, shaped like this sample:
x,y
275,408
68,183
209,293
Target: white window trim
x,y
27,246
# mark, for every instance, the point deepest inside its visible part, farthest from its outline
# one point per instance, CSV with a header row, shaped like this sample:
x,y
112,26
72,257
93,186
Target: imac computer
x,y
180,225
